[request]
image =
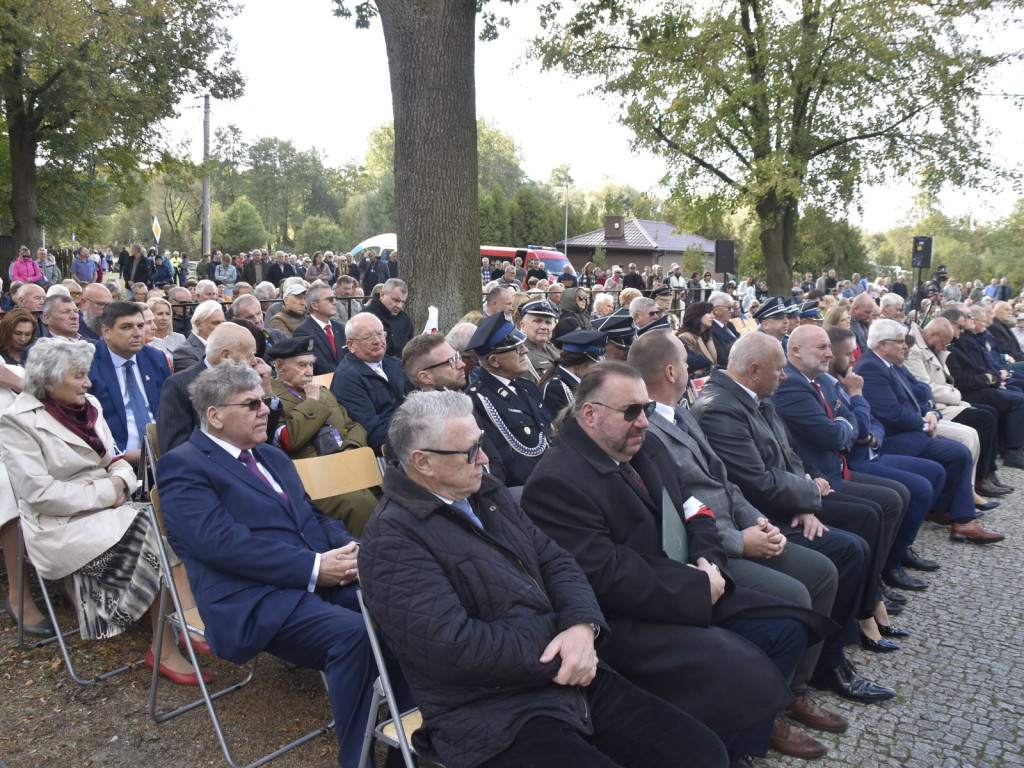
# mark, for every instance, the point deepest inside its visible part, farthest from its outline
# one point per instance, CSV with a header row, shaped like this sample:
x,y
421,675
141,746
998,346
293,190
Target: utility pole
x,y
206,175
565,242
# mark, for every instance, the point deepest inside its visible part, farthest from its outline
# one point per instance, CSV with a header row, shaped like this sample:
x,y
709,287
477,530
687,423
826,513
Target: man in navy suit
x,y
270,572
327,333
903,406
723,333
126,376
369,383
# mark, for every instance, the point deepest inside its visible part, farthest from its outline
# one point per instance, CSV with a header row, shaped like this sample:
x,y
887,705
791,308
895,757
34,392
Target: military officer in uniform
x,y
537,321
581,350
619,333
507,405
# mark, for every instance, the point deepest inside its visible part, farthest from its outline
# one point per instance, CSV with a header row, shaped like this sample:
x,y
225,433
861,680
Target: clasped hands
x,y
338,567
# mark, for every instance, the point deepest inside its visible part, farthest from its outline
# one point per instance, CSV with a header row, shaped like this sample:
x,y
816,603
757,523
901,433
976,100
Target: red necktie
x,y
636,476
330,338
831,415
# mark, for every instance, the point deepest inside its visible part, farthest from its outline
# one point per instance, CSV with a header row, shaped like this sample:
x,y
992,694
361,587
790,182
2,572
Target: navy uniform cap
x,y
793,307
810,309
618,327
538,307
772,307
661,324
496,333
582,342
663,291
293,347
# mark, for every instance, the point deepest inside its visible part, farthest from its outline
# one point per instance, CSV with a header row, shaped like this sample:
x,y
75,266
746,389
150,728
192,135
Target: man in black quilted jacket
x,y
493,623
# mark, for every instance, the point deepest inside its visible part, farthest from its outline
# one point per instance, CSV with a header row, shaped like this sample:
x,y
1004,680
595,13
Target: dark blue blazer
x,y
723,336
859,455
369,399
154,369
815,436
248,552
326,361
901,417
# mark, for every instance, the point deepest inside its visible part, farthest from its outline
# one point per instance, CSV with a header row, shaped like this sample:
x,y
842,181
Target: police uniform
x,y
773,307
560,388
512,415
617,328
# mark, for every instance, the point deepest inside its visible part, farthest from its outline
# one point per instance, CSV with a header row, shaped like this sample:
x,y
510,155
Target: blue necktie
x,y
464,507
136,400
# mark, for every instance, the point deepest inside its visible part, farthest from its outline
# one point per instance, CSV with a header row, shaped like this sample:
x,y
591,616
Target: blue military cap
x,y
293,347
810,309
618,327
661,324
580,342
772,307
663,291
538,307
496,333
793,306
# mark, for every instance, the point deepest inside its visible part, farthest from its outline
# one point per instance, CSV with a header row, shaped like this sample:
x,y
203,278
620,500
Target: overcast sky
x,y
314,79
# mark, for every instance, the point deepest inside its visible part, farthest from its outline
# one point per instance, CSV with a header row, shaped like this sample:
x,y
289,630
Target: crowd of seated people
x,y
554,440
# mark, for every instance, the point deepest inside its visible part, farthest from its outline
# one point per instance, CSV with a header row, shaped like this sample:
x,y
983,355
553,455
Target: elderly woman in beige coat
x,y
73,494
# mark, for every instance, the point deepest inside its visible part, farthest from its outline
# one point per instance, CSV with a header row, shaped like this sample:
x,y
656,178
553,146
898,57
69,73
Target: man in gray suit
x,y
759,557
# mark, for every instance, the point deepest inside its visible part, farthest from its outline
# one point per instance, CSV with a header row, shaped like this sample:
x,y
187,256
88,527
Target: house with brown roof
x,y
638,241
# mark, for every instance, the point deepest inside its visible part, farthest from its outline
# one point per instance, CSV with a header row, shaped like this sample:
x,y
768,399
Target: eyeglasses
x,y
631,412
470,454
329,297
453,361
908,340
371,336
656,313
100,304
253,405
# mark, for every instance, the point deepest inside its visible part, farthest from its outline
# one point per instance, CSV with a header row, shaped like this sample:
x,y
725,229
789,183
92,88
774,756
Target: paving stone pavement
x,y
959,696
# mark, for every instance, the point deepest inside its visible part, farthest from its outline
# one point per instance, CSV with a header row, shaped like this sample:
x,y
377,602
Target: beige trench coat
x,y
65,491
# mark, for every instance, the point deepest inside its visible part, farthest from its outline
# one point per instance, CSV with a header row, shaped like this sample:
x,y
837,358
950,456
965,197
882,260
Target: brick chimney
x,y
614,227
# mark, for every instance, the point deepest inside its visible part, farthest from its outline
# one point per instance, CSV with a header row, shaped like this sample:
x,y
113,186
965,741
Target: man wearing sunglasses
x,y
508,406
496,623
270,572
680,632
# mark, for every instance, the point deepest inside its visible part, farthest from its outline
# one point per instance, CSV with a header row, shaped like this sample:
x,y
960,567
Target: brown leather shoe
x,y
807,711
790,740
974,533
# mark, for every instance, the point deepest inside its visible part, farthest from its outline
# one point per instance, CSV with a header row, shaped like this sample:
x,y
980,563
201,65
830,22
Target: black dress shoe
x,y
878,646
893,596
890,630
988,506
900,579
1014,458
844,681
986,488
994,479
913,560
892,608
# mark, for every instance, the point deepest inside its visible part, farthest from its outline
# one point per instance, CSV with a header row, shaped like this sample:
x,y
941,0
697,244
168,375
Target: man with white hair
x,y
388,307
328,334
279,270
206,290
903,406
206,317
892,306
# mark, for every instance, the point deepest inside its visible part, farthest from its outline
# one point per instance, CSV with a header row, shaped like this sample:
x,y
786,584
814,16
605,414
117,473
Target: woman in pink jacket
x,y
25,269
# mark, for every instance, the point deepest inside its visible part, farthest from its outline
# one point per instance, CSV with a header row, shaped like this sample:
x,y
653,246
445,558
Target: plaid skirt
x,y
117,588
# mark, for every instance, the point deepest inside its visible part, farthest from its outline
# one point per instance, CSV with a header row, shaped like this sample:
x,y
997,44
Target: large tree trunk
x,y
24,204
778,219
430,46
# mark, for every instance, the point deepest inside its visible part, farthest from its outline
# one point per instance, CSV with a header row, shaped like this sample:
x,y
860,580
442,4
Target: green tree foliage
x,y
82,85
319,233
825,243
532,218
775,103
240,228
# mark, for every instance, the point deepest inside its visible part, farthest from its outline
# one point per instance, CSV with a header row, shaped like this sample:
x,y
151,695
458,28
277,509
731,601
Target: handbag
x,y
326,441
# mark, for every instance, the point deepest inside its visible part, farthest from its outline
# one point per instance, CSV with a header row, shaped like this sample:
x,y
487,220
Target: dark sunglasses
x,y
632,412
470,454
253,405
